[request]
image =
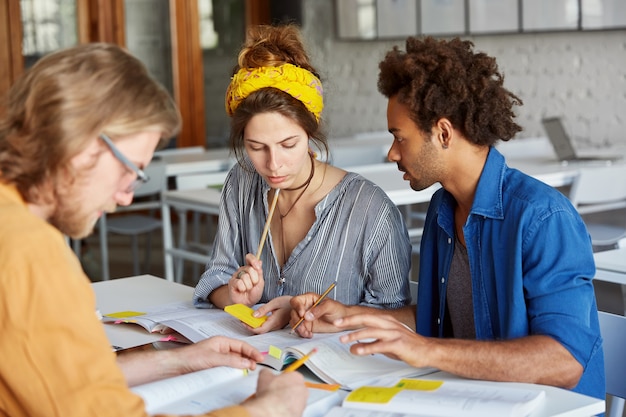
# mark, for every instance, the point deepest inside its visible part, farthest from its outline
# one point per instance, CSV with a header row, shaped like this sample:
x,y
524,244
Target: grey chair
x,y
599,195
195,244
136,219
613,329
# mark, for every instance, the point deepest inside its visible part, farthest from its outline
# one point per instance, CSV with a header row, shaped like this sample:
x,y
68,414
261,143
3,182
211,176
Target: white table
x,y
611,265
610,280
139,292
211,160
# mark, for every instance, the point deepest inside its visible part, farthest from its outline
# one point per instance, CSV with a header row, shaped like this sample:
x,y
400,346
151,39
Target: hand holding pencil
x,y
310,313
246,286
319,300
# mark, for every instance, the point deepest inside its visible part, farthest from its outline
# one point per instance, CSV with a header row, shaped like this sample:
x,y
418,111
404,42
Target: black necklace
x,y
281,216
304,186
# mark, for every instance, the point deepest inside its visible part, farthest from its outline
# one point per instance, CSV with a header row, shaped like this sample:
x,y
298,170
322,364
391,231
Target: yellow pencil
x,y
319,300
295,365
267,223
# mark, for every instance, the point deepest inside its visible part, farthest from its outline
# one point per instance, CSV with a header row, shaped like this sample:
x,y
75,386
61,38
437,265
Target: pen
x,y
267,223
319,300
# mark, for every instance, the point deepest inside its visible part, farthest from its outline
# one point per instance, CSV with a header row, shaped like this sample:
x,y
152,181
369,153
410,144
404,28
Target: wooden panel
x,y
101,21
188,71
11,59
258,12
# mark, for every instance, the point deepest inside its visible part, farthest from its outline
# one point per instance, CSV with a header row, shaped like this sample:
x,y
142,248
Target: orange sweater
x,y
55,359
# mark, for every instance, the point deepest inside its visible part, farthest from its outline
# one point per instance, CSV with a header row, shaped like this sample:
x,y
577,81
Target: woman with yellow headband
x,y
329,226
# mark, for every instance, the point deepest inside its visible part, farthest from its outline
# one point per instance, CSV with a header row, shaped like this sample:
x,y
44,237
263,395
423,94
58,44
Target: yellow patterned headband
x,y
295,81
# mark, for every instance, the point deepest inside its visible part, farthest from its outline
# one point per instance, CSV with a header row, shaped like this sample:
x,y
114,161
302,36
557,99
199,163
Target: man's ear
x,y
443,129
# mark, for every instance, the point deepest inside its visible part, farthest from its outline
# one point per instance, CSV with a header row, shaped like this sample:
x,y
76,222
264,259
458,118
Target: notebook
x,y
563,146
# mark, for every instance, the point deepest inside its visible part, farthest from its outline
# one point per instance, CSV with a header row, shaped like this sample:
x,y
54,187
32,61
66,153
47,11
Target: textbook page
x,y
159,394
193,323
335,364
447,399
149,318
236,391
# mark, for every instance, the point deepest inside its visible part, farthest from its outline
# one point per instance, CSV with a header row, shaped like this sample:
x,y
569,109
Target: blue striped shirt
x,y
358,240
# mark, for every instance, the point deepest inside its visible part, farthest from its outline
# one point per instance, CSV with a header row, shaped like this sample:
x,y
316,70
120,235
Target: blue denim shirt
x,y
531,265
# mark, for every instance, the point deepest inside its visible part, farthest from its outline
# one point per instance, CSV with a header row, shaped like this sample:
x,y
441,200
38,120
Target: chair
x,y
133,220
613,329
602,190
191,182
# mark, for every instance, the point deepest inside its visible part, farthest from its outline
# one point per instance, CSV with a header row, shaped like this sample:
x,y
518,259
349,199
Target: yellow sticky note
x,y
124,314
244,313
376,395
275,352
419,384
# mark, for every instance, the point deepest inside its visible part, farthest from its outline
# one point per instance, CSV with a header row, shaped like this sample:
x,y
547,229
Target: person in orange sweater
x,y
75,133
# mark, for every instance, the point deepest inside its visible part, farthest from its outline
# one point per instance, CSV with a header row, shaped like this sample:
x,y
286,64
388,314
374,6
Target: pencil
x,y
295,365
292,367
319,300
267,223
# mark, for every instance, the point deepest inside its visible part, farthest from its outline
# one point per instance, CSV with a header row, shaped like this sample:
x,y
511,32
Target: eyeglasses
x,y
142,178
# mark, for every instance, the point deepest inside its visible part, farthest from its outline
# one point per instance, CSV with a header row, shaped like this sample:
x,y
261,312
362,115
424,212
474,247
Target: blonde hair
x,y
69,97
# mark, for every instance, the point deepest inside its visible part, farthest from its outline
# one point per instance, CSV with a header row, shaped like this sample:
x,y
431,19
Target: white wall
x,y
578,75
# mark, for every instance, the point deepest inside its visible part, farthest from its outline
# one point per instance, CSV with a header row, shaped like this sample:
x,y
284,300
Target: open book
x,y
193,323
333,363
211,389
440,399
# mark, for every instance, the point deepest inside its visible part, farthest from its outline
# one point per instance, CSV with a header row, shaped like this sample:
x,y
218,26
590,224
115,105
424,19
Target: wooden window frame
x,y
104,21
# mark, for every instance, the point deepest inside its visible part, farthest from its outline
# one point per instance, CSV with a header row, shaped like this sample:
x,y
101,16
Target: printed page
x,y
211,397
237,391
447,399
333,363
201,324
151,318
161,393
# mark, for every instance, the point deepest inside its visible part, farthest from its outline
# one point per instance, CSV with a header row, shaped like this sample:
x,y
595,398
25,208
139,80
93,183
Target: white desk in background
x,y
144,291
610,280
611,265
211,160
536,157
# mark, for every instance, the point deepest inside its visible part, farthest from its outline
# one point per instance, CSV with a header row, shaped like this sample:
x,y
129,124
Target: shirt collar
x,y
488,198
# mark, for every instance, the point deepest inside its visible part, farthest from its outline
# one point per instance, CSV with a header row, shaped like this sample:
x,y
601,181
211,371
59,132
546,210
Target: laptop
x,y
563,147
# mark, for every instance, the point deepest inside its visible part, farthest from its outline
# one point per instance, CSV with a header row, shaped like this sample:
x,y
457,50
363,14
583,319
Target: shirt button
x,y
449,241
438,321
443,279
308,238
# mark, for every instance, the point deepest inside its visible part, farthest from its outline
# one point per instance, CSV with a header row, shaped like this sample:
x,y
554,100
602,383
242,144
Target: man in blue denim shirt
x,y
505,290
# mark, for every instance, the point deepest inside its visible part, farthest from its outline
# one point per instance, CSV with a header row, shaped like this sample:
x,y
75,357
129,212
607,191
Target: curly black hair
x,y
439,78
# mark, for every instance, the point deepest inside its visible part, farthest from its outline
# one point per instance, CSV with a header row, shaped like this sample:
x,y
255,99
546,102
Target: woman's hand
x,y
278,311
246,284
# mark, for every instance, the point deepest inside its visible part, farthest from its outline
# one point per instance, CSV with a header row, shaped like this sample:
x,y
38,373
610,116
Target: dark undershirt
x,y
459,295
